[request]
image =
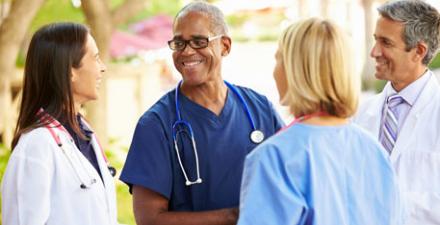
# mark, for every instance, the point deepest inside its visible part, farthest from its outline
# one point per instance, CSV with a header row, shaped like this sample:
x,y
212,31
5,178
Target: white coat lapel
x,y
372,114
81,165
410,123
107,178
100,158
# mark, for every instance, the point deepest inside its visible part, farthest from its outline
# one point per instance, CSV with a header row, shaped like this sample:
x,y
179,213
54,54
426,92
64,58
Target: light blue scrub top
x,y
222,143
320,175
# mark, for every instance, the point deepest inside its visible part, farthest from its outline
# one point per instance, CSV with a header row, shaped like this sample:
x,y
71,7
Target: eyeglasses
x,y
195,43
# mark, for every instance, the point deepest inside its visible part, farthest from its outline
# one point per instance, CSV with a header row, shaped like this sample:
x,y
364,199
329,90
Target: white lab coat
x,y
416,155
40,187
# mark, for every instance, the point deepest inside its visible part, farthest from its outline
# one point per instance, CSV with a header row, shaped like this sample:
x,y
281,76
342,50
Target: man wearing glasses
x,y
185,162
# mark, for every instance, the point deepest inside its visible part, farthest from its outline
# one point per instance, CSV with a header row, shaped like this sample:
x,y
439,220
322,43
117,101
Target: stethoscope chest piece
x,y
257,136
112,170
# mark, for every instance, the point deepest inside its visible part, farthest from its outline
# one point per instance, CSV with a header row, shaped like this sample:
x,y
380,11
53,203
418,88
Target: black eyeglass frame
x,y
191,43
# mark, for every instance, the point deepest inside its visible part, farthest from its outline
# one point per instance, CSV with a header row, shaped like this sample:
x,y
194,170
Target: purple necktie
x,y
391,125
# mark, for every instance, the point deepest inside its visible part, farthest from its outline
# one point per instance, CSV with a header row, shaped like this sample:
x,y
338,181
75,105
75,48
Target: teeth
x,y
192,63
380,63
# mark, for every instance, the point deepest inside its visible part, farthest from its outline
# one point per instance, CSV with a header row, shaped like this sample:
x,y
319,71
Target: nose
x,y
188,50
103,67
375,51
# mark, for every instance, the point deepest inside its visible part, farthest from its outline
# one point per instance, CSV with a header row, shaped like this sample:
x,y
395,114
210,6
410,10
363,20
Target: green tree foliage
x,y
57,11
435,64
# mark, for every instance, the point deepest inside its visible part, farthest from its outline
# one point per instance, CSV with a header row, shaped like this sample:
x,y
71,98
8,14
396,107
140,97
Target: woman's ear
x,y
73,75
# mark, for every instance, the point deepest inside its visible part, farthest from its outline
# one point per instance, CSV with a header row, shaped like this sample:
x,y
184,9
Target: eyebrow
x,y
382,37
192,37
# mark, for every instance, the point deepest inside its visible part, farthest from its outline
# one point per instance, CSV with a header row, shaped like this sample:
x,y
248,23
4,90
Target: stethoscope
x,y
256,135
51,124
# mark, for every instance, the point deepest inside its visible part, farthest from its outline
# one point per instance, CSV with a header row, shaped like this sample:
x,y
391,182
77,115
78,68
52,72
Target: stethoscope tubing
x,y
50,124
256,136
230,86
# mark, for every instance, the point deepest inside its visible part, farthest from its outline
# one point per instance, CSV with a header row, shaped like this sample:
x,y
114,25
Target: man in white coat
x,y
405,116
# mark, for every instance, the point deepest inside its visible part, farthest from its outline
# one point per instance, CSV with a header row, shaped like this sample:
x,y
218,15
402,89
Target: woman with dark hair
x,y
57,173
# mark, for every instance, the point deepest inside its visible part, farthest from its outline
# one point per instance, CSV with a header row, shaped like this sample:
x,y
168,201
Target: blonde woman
x,y
321,169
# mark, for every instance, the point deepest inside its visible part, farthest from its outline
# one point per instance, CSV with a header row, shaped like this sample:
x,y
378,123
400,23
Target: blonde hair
x,y
319,71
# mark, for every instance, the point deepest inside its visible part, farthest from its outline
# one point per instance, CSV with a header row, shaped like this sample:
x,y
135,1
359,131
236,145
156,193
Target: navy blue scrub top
x,y
222,143
84,146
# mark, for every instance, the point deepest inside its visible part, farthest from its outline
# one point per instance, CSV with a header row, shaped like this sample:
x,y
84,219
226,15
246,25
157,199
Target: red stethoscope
x,y
51,124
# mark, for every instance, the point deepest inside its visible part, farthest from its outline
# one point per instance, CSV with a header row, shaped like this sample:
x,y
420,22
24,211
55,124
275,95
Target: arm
x,y
151,208
26,185
268,196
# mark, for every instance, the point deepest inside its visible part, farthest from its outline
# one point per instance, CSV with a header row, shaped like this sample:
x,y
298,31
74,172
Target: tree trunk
x,y
127,10
102,22
12,32
368,69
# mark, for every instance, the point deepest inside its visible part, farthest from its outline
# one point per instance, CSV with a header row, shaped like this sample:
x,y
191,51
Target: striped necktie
x,y
391,126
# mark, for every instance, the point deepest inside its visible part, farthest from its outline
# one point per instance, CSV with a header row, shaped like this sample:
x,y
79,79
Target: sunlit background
x,y
132,35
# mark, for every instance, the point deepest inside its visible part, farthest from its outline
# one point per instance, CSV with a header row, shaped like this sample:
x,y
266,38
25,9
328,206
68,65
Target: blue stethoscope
x,y
256,136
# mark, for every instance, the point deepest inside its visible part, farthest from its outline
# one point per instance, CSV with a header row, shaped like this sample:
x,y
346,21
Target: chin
x,y
380,76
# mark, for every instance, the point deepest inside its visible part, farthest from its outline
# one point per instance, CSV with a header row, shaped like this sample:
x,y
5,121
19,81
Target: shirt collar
x,y
411,92
84,128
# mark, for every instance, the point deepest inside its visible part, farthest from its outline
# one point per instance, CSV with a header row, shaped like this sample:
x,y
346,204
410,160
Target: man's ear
x,y
421,51
226,41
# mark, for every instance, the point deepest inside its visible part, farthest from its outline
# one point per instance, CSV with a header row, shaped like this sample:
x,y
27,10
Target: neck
x,y
77,107
325,120
413,76
211,95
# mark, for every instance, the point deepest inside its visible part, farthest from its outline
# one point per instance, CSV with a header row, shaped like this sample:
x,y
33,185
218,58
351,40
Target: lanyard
x,y
51,123
302,118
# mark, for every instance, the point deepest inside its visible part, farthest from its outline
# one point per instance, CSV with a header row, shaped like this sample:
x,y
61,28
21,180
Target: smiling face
x,y
86,79
393,62
198,66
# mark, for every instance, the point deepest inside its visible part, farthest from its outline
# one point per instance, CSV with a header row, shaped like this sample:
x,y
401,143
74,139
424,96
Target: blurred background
x,y
132,37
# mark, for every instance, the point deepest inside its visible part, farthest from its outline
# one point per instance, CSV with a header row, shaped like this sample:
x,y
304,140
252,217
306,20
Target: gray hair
x,y
215,15
421,23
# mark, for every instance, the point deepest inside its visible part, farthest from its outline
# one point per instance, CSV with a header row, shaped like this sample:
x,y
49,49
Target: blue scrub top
x,y
320,175
222,143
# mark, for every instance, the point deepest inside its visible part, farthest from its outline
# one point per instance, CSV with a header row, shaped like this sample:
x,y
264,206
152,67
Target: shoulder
x,y
252,94
256,101
34,138
287,142
370,100
37,145
370,104
356,131
160,111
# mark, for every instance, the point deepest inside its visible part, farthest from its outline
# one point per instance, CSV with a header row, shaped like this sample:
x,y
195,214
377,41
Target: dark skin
x,y
201,72
151,208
